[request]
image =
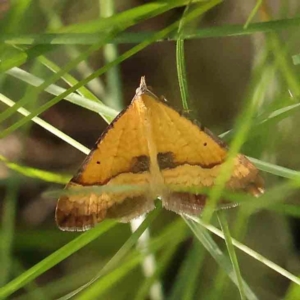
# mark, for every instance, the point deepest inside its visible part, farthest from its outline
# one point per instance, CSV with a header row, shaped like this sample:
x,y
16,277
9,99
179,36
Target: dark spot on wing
x,y
166,160
140,164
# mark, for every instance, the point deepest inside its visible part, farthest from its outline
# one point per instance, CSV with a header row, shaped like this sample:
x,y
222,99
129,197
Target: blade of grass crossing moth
x,y
124,56
264,166
231,251
243,125
186,285
55,258
206,240
8,224
93,286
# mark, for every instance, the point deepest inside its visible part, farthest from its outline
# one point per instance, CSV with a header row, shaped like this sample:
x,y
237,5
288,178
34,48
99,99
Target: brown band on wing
x,y
140,164
186,203
166,161
191,204
130,208
77,216
81,216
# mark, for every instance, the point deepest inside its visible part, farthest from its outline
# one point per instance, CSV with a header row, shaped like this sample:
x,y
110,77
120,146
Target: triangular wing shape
x,y
190,156
119,157
150,145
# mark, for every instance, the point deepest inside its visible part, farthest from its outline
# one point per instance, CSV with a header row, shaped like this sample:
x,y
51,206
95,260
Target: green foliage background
x,y
68,67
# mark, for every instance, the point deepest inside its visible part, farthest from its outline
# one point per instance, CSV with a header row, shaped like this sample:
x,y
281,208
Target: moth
x,y
151,146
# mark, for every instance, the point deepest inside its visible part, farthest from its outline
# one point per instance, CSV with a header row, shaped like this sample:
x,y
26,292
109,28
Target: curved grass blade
x,y
250,252
72,97
219,257
55,258
47,126
7,228
231,251
93,286
36,173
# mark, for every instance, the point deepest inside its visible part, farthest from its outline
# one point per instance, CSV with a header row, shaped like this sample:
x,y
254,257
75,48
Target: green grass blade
x,y
93,287
69,79
47,126
11,22
56,288
231,251
128,17
121,58
55,258
36,173
110,53
69,66
74,98
180,63
250,252
253,13
182,80
217,254
7,228
275,169
19,58
138,37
